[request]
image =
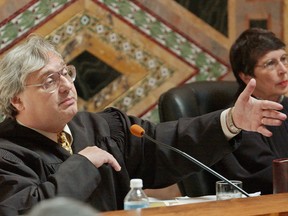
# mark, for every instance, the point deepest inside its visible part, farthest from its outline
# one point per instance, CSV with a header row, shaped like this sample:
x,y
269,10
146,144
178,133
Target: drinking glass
x,y
225,191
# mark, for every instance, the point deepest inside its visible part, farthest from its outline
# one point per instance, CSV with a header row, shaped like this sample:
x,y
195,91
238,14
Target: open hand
x,y
252,114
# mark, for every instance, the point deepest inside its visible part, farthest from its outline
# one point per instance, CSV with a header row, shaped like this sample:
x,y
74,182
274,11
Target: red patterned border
x,y
33,28
167,24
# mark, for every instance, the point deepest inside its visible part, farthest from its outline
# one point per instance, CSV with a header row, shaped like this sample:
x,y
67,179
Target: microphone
x,y
138,131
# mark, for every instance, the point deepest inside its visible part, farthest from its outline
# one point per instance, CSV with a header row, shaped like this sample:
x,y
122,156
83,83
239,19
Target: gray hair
x,y
62,206
17,64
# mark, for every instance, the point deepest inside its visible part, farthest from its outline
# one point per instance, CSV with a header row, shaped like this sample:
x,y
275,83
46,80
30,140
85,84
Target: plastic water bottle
x,y
136,198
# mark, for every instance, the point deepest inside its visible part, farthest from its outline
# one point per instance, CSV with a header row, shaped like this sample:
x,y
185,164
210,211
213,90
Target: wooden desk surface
x,y
276,204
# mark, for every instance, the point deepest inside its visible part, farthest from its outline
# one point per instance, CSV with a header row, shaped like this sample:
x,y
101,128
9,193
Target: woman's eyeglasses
x,y
51,83
272,64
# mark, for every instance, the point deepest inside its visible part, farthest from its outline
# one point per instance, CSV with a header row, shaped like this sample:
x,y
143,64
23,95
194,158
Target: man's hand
x,y
99,157
253,115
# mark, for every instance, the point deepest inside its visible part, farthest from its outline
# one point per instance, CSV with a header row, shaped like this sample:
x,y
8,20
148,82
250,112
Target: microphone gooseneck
x,y
138,131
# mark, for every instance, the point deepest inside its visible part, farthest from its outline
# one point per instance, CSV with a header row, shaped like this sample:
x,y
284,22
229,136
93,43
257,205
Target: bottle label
x,y
135,205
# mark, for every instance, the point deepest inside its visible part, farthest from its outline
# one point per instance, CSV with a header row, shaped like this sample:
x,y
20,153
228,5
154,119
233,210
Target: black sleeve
x,y
201,137
22,185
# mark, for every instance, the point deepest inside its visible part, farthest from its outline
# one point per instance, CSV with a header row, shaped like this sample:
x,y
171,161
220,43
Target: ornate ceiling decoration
x,y
148,55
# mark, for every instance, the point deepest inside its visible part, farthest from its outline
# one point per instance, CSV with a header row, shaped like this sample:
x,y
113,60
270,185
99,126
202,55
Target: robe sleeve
x,y
201,137
23,184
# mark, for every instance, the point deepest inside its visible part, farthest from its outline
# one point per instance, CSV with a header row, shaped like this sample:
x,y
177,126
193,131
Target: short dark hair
x,y
248,48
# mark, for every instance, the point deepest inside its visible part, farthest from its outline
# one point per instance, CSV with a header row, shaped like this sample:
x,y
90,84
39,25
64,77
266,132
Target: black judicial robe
x,y
252,161
34,168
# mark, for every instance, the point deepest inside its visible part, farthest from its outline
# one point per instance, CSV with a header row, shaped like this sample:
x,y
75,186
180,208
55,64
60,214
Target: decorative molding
x,y
24,21
151,55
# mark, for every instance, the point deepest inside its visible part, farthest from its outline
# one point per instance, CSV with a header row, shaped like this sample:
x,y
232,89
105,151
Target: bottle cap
x,y
136,183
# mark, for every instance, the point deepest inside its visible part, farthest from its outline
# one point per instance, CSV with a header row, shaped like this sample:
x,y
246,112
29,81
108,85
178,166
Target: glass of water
x,y
225,191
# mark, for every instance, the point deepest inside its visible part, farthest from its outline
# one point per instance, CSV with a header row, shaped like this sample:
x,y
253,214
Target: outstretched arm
x,y
254,115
